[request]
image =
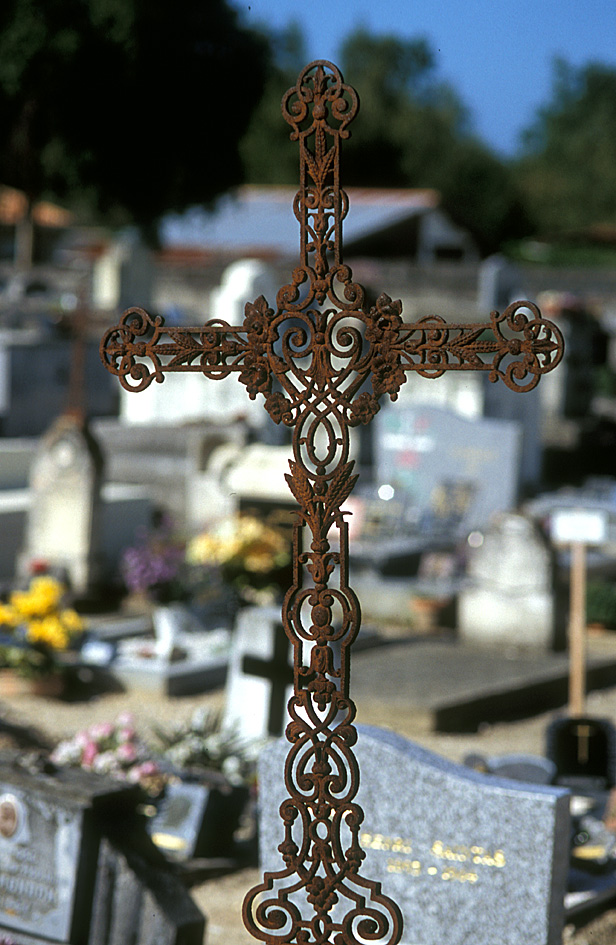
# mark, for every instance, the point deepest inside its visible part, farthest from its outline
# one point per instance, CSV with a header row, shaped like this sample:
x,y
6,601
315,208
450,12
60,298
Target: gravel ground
x,y
221,898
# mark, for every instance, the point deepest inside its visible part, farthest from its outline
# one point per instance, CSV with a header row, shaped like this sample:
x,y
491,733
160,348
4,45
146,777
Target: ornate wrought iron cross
x,y
332,359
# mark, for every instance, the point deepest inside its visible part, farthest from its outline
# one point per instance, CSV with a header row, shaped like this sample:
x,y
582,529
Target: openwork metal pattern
x,y
323,361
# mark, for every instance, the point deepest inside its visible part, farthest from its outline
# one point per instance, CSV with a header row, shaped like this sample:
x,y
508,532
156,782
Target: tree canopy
x,y
132,107
413,132
568,170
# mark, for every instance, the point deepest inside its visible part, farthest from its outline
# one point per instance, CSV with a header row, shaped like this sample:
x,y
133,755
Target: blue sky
x,y
497,53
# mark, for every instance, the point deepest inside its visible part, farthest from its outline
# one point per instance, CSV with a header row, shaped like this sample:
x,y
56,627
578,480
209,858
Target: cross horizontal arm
x,y
214,349
517,347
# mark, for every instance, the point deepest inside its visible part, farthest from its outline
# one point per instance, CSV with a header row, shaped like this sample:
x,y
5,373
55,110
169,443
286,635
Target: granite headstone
x,y
467,857
457,473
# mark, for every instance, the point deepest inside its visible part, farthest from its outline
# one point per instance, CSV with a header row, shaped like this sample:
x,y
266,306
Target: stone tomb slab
x,y
467,857
444,686
204,667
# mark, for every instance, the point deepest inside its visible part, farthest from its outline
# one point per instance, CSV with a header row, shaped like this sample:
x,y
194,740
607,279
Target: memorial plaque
x,y
39,859
176,826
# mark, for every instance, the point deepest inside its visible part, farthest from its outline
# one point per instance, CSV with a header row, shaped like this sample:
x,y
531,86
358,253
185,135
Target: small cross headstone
x,y
260,679
323,359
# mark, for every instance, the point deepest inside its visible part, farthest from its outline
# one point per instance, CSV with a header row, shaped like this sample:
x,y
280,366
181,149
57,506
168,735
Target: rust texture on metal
x,y
323,361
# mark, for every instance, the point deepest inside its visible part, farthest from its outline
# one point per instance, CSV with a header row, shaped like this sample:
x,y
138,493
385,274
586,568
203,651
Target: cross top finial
x,y
319,108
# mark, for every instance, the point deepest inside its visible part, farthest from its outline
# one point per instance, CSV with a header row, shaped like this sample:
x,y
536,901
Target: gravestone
x,y
198,819
255,477
468,857
457,473
511,596
499,283
260,679
64,522
73,855
123,274
583,750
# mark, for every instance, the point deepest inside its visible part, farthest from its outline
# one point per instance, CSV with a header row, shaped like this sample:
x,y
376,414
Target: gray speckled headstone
x,y
469,858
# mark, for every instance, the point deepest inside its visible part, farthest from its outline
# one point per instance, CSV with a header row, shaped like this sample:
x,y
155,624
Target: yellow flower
x,y
71,621
8,616
42,597
49,631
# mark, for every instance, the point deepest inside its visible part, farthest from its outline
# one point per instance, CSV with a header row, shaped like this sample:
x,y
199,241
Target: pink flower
x,y
144,770
126,753
126,734
101,730
126,720
81,739
90,752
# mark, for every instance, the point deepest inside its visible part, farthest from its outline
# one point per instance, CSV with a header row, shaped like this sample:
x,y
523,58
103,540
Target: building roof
x,y
13,207
258,220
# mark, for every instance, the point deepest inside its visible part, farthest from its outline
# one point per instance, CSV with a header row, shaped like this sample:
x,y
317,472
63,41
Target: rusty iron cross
x,y
332,359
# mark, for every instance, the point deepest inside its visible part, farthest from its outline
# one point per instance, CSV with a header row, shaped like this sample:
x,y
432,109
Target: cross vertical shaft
x,y
333,361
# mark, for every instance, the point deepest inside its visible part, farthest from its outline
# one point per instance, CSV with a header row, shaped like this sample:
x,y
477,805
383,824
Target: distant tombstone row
x,y
77,866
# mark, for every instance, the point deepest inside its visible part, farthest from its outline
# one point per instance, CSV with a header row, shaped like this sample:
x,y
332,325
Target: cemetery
x,y
184,574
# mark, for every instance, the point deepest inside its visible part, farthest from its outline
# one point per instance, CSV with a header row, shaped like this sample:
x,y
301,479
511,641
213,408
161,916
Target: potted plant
x,y
154,568
37,635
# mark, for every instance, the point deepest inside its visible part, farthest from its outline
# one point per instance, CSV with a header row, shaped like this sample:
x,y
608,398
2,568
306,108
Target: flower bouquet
x,y
251,556
37,631
201,749
155,566
113,749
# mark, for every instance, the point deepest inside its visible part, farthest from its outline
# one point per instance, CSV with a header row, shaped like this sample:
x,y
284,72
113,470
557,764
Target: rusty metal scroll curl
x,y
322,361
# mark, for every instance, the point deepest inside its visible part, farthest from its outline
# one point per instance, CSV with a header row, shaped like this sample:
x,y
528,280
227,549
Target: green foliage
x,y
134,108
601,603
568,170
414,132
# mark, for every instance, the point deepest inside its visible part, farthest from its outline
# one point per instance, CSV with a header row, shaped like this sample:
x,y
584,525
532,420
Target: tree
x,y
414,132
568,169
264,149
130,107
